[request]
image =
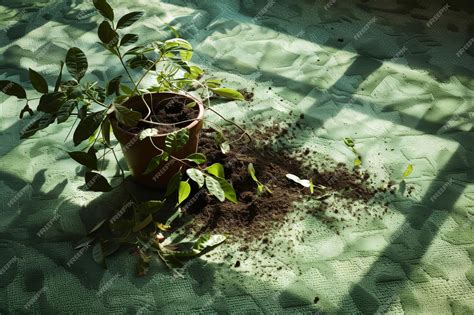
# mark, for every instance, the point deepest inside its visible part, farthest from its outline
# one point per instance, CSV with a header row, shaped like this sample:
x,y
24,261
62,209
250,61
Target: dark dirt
x,y
256,216
173,112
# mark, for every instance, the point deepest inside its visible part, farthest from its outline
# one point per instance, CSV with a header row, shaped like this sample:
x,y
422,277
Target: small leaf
x,y
96,182
128,39
58,80
104,8
129,18
196,175
357,161
150,132
173,184
38,82
42,122
76,63
153,164
87,127
214,188
127,116
191,105
225,147
143,224
197,158
176,140
13,89
107,35
114,86
183,191
216,169
251,170
65,110
98,254
149,207
207,241
97,226
349,142
296,179
229,93
105,128
311,186
51,103
87,159
408,170
84,242
228,190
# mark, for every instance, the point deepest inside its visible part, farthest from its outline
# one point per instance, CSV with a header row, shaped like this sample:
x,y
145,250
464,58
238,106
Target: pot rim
x,y
196,121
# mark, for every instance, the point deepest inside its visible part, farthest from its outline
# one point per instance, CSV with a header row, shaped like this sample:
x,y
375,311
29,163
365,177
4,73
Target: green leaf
x,y
228,190
408,170
214,188
143,224
58,80
216,169
349,142
183,191
129,18
98,254
173,184
125,89
153,164
229,93
311,186
96,182
176,140
13,89
196,175
76,63
207,241
149,207
107,35
213,83
128,39
114,86
357,161
65,110
197,158
225,147
251,170
104,8
51,103
105,128
42,122
87,127
38,82
87,159
97,226
127,116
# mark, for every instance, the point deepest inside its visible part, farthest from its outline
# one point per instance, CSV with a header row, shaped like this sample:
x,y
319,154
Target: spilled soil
x,y
256,215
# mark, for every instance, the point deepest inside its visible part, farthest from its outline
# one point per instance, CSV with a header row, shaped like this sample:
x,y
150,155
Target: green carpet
x,y
396,76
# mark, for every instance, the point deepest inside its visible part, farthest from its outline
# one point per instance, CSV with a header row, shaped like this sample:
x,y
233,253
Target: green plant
x,y
91,103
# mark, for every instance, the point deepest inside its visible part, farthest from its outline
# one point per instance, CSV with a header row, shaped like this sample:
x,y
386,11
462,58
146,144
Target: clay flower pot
x,y
138,154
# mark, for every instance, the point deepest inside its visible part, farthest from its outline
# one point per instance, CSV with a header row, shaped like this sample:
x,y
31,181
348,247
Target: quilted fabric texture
x,y
396,76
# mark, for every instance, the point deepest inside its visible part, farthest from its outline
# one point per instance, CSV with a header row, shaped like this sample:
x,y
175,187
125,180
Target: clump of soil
x,y
248,95
256,215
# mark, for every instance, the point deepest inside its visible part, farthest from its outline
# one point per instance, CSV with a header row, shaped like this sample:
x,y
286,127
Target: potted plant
x,y
157,127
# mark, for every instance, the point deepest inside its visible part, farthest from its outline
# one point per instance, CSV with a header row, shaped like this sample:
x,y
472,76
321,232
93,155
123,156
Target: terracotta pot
x,y
139,153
